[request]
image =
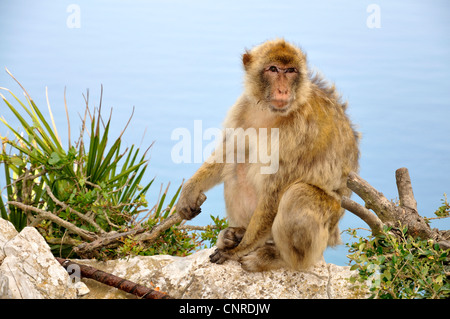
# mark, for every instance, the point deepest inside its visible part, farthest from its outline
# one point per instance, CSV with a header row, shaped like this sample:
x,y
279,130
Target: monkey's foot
x,y
230,237
219,256
264,258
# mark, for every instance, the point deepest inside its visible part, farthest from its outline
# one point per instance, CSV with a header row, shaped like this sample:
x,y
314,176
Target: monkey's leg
x,y
300,230
301,227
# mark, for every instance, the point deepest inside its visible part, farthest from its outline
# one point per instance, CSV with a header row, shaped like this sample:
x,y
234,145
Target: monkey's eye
x,y
291,70
273,69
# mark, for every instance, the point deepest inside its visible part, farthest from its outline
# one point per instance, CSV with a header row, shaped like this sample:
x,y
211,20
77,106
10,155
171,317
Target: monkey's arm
x,y
207,176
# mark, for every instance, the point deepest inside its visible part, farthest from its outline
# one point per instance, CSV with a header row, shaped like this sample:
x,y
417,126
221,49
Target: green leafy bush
x,y
397,266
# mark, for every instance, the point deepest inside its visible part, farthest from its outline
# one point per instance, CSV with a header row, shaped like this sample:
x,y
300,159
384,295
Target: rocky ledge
x,y
28,270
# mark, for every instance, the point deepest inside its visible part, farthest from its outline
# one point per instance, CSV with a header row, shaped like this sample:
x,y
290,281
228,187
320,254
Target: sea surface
x,y
177,62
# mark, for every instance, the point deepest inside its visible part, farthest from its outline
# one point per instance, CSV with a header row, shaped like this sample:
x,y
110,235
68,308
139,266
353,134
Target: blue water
x,y
179,61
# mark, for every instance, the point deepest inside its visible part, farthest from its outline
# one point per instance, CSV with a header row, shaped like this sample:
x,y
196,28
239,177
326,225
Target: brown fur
x,y
292,215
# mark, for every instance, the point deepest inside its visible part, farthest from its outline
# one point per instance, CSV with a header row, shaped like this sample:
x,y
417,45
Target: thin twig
x,y
167,223
86,249
433,218
193,227
93,185
82,216
87,235
110,223
25,177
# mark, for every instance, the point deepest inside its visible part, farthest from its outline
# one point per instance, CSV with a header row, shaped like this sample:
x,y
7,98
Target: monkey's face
x,y
276,76
279,84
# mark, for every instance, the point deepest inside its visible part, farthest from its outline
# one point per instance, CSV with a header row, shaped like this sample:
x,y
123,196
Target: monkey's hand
x,y
188,205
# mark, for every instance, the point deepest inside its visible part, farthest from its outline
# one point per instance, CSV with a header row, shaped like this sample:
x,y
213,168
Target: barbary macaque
x,y
287,216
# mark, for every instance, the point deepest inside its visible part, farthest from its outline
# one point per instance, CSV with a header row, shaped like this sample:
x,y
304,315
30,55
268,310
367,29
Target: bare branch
x,y
444,244
154,233
87,235
404,187
167,223
387,212
374,199
86,249
376,225
63,241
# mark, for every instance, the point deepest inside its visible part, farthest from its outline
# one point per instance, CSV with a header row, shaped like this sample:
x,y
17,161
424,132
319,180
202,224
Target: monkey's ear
x,y
246,60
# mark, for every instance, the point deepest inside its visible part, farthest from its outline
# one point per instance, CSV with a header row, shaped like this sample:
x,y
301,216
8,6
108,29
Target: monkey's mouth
x,y
279,105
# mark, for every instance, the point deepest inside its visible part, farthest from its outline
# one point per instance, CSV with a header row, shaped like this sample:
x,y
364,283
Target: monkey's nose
x,y
281,94
283,91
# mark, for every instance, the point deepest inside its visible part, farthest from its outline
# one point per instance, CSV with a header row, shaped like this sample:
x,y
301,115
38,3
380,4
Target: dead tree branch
x,y
376,225
404,187
114,281
374,199
379,211
86,235
86,250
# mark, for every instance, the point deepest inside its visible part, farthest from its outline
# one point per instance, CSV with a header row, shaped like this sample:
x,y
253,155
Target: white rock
x,y
81,288
196,277
7,232
29,269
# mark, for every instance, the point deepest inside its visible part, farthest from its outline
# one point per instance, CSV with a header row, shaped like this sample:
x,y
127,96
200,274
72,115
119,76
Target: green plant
x,y
178,240
444,210
394,265
89,191
15,215
212,231
95,186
